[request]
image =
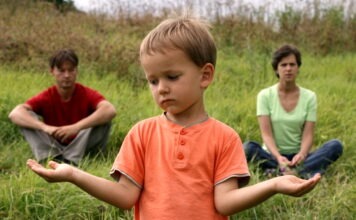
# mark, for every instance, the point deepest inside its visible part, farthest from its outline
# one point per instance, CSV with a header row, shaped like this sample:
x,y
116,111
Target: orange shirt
x,y
177,168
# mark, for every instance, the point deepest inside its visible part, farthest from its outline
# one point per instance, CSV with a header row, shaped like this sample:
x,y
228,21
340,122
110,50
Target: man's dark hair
x,y
61,56
283,52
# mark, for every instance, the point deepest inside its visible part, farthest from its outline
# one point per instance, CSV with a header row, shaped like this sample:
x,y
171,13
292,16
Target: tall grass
x,y
231,99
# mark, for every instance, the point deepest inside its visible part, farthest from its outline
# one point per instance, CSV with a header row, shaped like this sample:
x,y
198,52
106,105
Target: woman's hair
x,y
283,52
61,56
190,35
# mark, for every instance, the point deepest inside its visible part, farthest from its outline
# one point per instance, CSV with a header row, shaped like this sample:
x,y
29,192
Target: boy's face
x,y
177,84
65,75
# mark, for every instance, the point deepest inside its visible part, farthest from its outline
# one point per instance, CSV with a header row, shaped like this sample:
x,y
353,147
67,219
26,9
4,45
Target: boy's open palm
x,y
57,173
294,186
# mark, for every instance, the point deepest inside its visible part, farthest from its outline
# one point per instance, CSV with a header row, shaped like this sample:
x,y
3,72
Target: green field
x,y
231,99
31,30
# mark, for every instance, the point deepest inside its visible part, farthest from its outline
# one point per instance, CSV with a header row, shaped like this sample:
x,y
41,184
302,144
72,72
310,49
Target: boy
x,y
182,164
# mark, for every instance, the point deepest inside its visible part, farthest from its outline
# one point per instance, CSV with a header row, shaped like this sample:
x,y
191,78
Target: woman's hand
x,y
297,159
283,161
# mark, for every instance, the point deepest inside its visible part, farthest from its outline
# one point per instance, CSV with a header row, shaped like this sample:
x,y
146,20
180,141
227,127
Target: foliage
x,y
32,30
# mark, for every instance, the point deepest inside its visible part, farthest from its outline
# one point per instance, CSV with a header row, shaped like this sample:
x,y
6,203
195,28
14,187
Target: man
x,y
66,120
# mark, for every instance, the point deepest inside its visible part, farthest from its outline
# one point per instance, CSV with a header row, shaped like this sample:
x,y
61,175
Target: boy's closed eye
x,y
152,81
169,77
173,77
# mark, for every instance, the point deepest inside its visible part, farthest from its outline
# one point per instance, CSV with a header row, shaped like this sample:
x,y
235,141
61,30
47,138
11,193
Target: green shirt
x,y
287,127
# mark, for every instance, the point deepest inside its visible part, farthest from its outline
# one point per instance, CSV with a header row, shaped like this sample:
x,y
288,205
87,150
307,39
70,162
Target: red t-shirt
x,y
178,168
57,112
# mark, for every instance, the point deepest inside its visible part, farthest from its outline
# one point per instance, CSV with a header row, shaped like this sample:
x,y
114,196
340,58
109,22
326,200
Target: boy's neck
x,y
189,121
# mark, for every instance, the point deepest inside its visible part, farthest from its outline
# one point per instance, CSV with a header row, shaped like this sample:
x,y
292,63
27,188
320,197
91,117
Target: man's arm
x,y
22,117
104,113
122,194
230,199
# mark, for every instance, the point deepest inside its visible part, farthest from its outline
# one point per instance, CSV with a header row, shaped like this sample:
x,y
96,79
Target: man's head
x,y
63,66
186,34
285,51
62,56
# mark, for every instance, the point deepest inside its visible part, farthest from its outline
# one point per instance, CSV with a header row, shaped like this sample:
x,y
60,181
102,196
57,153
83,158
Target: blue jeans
x,y
315,162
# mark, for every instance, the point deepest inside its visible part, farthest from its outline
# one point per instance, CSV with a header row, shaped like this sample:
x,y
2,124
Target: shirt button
x,y
180,156
182,142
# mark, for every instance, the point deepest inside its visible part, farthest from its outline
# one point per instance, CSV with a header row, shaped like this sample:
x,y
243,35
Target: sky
x,y
114,6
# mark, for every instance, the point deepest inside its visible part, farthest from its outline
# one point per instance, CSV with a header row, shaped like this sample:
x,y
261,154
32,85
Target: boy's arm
x,y
122,194
230,199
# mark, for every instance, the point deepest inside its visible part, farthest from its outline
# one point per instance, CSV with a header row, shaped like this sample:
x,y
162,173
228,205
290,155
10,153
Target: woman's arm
x,y
264,122
306,144
230,199
122,194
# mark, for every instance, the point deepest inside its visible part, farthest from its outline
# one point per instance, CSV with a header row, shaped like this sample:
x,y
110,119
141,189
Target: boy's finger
x,y
53,164
309,185
32,163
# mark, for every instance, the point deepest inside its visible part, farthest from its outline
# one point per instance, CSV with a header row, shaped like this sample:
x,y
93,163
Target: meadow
x,y
110,65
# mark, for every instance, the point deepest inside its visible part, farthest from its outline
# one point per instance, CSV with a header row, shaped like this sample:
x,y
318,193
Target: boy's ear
x,y
208,71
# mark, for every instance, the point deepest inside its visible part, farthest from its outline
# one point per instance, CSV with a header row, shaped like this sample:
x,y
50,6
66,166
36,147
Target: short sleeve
x,y
231,162
312,108
262,103
130,160
39,102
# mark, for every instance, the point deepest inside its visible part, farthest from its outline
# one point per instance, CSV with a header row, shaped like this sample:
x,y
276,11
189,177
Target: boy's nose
x,y
163,88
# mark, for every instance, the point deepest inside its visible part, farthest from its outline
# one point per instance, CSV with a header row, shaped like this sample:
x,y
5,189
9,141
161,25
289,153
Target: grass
x,y
231,99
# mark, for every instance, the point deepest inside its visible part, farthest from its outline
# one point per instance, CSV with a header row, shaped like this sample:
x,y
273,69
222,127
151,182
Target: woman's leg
x,y
319,160
255,153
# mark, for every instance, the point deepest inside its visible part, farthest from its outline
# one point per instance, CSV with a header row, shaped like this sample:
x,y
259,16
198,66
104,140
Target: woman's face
x,y
288,68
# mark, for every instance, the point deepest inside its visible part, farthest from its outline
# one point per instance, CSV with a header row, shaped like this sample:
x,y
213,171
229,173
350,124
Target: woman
x,y
287,115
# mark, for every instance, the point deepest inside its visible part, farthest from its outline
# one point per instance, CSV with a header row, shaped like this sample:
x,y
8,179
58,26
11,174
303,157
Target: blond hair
x,y
190,35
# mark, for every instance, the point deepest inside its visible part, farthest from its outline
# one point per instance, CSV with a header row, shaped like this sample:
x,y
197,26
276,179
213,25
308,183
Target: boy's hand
x,y
294,186
58,173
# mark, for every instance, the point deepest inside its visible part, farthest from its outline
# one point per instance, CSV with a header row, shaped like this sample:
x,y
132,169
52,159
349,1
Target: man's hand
x,y
49,129
65,132
57,173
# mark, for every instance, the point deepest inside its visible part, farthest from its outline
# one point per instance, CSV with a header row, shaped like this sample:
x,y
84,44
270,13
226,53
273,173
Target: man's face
x,y
65,75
